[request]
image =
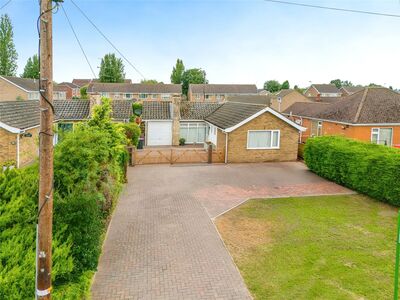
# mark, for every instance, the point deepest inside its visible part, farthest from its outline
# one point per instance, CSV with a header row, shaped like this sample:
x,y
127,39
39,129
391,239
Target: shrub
x,y
137,108
367,168
132,133
182,142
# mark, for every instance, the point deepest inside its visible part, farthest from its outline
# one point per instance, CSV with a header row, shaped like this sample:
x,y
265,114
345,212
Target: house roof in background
x,y
325,99
72,109
121,109
224,88
326,88
232,113
369,106
83,82
158,88
250,99
352,89
285,92
20,114
156,110
29,85
306,109
197,110
69,84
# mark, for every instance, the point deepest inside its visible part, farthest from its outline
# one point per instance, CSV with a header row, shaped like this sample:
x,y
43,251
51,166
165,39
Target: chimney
x,y
318,99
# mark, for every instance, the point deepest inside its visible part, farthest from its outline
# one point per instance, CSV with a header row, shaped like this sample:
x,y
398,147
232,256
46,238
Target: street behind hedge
x,y
331,247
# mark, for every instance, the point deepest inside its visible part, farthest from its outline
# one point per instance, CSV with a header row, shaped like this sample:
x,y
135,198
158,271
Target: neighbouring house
x,y
253,133
16,88
285,98
84,82
20,120
250,99
263,92
349,90
372,115
134,91
322,90
72,91
243,132
218,92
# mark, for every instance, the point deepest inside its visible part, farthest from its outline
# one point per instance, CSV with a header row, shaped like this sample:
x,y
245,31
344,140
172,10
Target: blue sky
x,y
234,41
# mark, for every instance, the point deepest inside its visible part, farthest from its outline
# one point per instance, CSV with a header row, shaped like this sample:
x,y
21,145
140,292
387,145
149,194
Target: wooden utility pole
x,y
45,217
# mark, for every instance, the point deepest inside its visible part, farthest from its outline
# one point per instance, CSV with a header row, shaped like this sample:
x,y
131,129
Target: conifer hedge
x,y
370,169
88,176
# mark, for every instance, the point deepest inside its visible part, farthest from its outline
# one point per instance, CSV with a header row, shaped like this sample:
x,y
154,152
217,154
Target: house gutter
x,y
18,150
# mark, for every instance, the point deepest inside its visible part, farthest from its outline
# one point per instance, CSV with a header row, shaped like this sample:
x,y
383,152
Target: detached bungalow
x,y
372,114
322,90
243,132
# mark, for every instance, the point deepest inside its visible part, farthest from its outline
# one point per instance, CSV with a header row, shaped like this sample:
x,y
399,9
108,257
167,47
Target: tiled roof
x,y
24,83
72,109
306,109
20,114
232,113
197,110
122,109
369,106
224,88
83,82
352,89
326,88
251,99
135,88
156,110
325,99
283,93
69,84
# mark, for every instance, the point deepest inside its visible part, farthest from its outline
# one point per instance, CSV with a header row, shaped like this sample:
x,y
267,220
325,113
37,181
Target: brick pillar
x,y
176,116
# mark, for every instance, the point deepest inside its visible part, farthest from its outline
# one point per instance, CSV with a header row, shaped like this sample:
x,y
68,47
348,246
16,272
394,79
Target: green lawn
x,y
331,247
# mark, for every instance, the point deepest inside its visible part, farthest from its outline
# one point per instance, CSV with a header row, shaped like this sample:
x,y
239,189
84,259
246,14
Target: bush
x,y
182,142
367,168
89,167
137,108
132,133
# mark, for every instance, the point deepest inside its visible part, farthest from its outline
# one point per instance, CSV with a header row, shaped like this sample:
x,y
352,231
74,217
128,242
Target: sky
x,y
247,41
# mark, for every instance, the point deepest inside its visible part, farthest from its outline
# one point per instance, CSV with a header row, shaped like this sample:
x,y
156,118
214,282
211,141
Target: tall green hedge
x,y
370,169
88,175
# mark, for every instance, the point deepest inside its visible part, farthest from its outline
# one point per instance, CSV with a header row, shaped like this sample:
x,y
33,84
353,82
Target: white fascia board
x,y
10,128
273,112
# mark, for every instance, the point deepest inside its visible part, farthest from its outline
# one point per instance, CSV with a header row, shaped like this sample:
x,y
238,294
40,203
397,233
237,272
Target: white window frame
x,y
165,96
198,96
142,96
272,136
378,132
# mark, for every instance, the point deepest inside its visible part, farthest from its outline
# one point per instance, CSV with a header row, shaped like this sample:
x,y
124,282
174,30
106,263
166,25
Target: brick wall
x,y
237,141
8,146
9,92
29,147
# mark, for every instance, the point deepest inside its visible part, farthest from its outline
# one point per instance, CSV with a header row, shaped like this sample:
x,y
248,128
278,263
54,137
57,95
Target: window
x,y
33,96
165,96
128,96
142,96
197,96
263,139
154,96
193,133
104,94
316,128
382,136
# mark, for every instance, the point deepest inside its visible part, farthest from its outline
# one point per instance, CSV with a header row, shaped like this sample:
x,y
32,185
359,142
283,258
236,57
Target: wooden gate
x,y
173,155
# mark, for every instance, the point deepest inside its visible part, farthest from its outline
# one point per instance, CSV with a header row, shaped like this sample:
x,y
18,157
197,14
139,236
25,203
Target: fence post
x,y
210,150
396,268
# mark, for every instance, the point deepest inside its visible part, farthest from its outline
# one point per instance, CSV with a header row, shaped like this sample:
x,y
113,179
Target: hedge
x,y
88,176
370,169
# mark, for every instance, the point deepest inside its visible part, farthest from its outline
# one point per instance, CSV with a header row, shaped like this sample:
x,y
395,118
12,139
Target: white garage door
x,y
159,133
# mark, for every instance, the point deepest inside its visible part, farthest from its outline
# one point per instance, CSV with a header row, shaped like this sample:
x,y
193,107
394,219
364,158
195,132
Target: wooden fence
x,y
175,156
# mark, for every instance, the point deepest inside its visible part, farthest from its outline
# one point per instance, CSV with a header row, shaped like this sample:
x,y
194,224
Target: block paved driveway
x,y
162,242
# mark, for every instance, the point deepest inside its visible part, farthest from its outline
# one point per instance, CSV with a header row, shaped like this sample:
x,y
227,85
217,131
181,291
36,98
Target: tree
x,y
193,76
177,72
111,69
339,83
31,69
285,85
83,92
8,54
149,81
272,86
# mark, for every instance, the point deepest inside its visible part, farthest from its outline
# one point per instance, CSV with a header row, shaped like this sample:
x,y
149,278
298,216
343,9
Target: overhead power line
x,y
107,39
336,8
5,4
77,39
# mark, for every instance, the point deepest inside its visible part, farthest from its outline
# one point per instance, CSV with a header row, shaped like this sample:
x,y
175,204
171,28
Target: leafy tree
x,y
83,92
299,89
272,86
177,72
8,54
31,69
111,69
193,76
149,81
285,85
339,83
373,85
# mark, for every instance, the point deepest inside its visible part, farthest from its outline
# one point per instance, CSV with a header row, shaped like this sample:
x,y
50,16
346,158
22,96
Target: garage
x,y
159,133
